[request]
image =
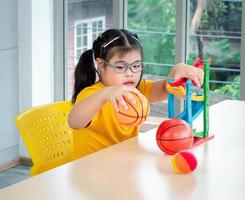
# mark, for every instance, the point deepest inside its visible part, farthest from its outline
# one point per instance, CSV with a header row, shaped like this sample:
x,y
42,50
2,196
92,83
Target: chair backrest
x,y
47,136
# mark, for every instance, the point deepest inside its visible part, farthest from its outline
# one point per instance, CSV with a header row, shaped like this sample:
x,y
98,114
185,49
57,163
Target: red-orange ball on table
x,y
174,135
184,162
136,113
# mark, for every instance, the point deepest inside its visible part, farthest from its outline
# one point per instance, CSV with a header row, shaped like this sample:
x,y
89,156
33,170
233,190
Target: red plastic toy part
x,y
182,81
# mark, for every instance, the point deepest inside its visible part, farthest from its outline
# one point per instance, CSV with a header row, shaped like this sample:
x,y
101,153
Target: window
x,y
154,22
86,20
86,31
215,33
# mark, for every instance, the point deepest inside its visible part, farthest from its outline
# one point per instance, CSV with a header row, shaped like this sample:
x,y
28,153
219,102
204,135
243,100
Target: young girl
x,y
116,58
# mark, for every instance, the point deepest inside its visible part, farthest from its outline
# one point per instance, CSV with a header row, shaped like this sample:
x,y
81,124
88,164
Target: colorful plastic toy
x,y
195,102
178,88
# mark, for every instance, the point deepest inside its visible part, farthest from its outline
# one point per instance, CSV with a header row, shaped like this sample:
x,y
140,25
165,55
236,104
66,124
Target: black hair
x,y
109,43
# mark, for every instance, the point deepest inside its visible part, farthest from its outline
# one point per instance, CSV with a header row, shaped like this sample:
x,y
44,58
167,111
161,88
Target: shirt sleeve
x,y
86,92
145,87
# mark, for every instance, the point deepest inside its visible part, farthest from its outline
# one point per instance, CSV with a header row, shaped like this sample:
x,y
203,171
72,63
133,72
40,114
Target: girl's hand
x,y
117,94
182,70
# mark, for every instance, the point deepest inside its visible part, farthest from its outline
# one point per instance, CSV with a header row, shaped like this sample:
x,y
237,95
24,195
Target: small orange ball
x,y
136,113
184,162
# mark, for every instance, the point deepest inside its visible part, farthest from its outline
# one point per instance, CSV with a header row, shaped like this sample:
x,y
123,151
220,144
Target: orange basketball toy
x,y
136,113
174,135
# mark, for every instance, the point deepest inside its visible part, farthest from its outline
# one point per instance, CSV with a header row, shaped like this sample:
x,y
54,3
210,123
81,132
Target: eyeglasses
x,y
122,67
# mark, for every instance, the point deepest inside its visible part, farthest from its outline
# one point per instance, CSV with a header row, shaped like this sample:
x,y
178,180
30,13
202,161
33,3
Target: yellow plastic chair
x,y
47,136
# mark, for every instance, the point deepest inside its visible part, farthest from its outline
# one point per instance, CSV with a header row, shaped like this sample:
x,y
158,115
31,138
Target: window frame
x,y
242,56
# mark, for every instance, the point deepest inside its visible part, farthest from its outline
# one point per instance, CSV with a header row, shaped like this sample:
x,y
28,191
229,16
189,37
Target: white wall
x,y
9,139
35,55
26,63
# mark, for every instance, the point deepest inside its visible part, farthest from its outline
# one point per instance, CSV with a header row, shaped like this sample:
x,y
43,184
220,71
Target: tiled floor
x,y
14,175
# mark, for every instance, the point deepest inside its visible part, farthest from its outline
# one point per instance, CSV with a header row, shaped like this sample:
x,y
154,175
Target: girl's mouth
x,y
129,83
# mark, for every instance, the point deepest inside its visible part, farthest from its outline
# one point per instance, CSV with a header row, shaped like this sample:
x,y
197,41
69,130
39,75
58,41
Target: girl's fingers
x,y
190,72
114,104
123,95
197,82
201,76
131,98
197,77
200,81
122,102
136,91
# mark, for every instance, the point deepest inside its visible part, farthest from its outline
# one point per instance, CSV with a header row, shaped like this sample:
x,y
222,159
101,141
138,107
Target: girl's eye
x,y
137,66
120,67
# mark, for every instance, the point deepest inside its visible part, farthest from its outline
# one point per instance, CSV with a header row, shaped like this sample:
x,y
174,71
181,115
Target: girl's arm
x,y
181,70
82,112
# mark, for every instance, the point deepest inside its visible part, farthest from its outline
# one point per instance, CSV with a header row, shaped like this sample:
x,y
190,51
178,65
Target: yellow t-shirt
x,y
104,129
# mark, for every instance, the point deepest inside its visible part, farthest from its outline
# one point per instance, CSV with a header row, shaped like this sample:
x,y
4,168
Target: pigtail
x,y
85,73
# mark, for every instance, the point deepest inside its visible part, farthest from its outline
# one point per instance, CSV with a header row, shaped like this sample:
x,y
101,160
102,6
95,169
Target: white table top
x,y
137,169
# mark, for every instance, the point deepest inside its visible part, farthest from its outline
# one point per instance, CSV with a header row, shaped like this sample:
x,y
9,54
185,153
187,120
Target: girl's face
x,y
110,75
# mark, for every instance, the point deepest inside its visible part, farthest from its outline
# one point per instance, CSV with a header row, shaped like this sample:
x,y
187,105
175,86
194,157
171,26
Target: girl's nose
x,y
128,72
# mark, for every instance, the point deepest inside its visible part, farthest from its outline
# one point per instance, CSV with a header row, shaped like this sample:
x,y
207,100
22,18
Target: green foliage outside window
x,y
217,37
154,21
232,90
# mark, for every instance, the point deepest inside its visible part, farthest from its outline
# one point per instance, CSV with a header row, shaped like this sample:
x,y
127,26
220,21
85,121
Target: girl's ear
x,y
100,63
